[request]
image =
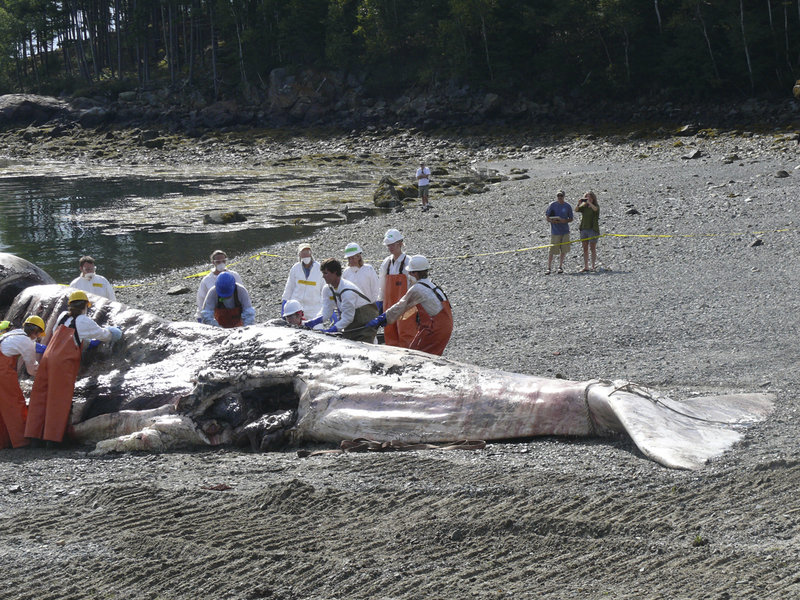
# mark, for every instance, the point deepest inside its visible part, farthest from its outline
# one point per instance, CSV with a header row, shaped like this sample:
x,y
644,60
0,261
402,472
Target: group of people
x,y
350,301
54,367
559,214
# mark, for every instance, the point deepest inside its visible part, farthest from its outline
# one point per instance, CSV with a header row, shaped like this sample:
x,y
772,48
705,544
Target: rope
x,y
366,445
641,391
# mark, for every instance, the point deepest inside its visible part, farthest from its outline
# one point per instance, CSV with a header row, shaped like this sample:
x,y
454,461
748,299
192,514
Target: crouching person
x,y
54,384
16,344
354,306
434,316
228,304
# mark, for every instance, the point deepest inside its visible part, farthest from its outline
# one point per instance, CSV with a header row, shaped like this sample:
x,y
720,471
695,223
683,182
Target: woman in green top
x,y
590,228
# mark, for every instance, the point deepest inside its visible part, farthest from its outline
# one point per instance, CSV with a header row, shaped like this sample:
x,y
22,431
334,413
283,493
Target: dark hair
x,y
331,265
85,259
76,307
30,328
422,274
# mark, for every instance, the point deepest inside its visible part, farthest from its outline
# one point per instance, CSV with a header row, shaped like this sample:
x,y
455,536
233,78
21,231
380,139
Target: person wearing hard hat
x,y
434,315
91,282
228,304
51,395
355,308
293,313
304,283
363,275
219,262
15,345
394,283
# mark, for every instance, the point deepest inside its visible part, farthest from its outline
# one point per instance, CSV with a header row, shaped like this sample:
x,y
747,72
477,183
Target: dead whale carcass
x,y
16,274
168,384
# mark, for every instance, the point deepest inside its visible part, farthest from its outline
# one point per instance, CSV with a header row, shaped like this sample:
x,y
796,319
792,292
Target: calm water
x,y
139,223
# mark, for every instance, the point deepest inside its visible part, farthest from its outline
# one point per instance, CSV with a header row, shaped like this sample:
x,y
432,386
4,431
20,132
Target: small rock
x,y
632,211
688,130
756,242
781,173
14,490
178,290
692,155
223,218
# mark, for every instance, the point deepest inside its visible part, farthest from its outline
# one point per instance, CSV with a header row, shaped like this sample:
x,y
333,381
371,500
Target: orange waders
x,y
12,405
229,317
51,396
401,332
433,333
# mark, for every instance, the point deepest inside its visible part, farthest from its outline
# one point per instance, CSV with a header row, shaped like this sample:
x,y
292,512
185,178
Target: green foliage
x,y
686,49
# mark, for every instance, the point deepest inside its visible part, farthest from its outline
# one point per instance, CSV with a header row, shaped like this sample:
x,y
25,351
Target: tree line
x,y
605,49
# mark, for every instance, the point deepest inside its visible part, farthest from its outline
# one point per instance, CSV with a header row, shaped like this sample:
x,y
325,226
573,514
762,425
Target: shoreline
x,y
705,311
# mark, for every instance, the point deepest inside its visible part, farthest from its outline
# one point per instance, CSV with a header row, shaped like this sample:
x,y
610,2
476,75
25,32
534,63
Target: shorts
x,y
560,244
423,191
589,233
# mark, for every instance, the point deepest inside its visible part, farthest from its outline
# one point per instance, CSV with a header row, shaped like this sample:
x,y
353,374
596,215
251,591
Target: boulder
x,y
407,191
221,217
178,290
26,109
94,116
386,195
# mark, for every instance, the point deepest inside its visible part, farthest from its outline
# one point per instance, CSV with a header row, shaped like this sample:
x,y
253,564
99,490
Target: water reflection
x,y
137,224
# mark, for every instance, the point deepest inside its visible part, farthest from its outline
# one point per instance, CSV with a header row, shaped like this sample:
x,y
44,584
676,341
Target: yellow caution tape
x,y
261,255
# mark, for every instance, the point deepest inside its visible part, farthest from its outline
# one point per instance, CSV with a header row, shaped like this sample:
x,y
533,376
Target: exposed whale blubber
x,y
170,384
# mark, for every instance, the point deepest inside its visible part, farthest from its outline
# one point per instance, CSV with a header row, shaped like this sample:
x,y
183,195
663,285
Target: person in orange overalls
x,y
228,304
51,396
434,315
16,344
394,283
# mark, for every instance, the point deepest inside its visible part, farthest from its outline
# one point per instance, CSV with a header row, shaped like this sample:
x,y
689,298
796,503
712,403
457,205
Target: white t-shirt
x,y
94,284
16,343
365,278
425,179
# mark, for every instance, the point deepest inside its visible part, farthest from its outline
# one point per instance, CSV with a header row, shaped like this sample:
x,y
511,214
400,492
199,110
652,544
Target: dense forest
x,y
686,49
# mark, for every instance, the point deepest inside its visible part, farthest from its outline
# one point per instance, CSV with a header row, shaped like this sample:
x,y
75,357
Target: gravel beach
x,y
696,293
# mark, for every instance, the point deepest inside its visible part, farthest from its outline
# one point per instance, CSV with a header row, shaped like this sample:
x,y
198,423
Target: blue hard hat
x,y
225,285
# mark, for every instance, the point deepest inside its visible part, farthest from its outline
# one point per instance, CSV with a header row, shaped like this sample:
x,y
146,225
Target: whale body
x,y
176,384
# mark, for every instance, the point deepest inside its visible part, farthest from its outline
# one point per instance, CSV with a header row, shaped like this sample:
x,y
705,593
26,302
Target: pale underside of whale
x,y
181,384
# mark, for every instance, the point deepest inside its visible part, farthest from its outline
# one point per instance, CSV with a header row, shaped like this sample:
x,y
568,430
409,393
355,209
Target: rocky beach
x,y
695,293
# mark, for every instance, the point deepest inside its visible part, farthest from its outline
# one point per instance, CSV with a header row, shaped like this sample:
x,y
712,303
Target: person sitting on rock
x,y
219,262
228,304
89,281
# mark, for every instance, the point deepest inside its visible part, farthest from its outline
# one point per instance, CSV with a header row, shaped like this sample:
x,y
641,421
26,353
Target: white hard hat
x,y
418,263
352,249
391,237
291,307
303,246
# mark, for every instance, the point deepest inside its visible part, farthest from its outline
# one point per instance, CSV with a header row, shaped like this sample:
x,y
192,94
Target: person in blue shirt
x,y
559,215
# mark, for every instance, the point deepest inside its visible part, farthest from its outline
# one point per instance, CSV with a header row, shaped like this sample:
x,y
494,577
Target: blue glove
x,y
40,348
313,323
282,305
116,333
377,321
331,329
379,304
94,343
335,317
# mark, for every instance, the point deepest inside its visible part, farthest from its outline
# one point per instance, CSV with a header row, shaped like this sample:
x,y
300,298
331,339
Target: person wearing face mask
x,y
219,262
91,282
434,315
304,283
363,275
394,283
16,344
